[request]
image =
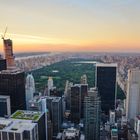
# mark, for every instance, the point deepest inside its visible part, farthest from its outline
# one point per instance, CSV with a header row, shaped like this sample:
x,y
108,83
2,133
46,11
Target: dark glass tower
x,y
2,64
75,103
84,92
12,83
54,106
106,84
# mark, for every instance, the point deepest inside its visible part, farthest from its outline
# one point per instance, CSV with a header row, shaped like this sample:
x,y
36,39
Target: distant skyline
x,y
75,25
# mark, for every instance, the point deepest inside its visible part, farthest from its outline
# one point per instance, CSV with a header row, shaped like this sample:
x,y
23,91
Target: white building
x,y
133,94
84,79
30,88
11,129
50,85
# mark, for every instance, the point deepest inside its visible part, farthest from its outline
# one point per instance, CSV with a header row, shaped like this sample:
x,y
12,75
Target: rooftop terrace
x,y
27,115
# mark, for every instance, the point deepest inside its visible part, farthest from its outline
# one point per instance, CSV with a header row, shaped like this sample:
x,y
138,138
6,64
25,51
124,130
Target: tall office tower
x,y
84,92
49,129
106,82
133,94
45,110
30,88
50,85
92,117
67,94
54,105
75,103
66,88
35,117
8,52
11,129
5,107
56,115
84,79
39,104
3,64
12,83
63,106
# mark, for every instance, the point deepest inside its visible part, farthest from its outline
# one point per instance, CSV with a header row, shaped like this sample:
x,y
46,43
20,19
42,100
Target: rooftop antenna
x,y
3,36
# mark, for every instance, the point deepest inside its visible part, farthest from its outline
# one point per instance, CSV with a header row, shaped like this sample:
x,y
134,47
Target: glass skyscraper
x,y
107,85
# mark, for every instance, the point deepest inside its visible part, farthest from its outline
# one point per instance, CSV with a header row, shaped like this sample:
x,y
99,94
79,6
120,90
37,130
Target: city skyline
x,y
60,25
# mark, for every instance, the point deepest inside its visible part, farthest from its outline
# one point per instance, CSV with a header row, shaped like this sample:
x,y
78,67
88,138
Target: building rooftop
x,y
53,98
114,132
27,115
36,99
11,125
4,97
4,123
11,71
106,65
71,133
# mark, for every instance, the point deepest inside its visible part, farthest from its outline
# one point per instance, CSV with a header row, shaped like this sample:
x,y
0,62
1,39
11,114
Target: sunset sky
x,y
71,25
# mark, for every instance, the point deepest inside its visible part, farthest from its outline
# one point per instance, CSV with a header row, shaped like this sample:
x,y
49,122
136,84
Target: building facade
x,y
5,106
3,65
54,106
11,129
92,105
12,83
35,117
133,94
8,52
106,82
30,88
75,106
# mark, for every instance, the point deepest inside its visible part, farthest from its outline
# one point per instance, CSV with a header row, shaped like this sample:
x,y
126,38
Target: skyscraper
x,y
106,82
30,88
133,94
56,115
50,85
75,103
54,105
92,115
5,106
84,92
38,103
8,52
84,79
12,80
12,83
67,94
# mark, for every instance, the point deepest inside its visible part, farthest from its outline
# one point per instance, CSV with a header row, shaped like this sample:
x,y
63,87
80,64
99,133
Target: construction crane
x,y
3,36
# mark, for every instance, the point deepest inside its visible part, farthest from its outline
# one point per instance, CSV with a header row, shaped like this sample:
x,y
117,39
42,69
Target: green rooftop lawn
x,y
21,115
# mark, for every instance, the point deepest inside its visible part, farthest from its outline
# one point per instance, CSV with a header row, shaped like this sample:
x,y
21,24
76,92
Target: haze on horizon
x,y
75,25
